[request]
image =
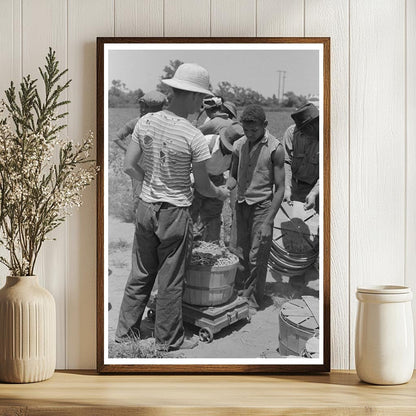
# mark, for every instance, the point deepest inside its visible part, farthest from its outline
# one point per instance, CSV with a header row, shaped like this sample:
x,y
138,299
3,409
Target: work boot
x,y
187,344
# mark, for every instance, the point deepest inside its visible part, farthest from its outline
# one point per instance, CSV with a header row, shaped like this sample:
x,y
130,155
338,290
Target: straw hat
x,y
304,115
190,77
231,133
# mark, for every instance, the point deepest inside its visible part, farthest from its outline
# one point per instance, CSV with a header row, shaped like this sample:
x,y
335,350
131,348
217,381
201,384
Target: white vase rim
x,y
384,289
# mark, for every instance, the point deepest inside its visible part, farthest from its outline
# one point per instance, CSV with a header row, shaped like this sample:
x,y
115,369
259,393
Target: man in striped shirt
x,y
170,147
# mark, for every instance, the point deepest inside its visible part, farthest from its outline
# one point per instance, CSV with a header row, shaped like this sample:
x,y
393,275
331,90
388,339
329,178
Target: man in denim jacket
x,y
301,143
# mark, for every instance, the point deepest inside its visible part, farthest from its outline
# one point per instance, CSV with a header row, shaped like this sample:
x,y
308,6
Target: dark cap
x,y
304,115
253,113
153,99
231,133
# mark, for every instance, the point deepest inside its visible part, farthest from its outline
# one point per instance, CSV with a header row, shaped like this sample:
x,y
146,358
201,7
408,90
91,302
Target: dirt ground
x,y
258,338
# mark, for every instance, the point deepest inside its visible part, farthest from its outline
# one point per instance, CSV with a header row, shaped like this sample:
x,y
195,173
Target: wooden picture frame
x,y
126,67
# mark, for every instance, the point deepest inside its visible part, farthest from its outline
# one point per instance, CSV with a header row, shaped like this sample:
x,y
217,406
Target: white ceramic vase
x,y
384,338
27,331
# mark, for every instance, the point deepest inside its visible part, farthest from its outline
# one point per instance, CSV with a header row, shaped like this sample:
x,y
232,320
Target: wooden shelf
x,y
86,393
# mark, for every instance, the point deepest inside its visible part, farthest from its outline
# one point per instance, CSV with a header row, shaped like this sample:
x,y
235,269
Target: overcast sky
x,y
256,69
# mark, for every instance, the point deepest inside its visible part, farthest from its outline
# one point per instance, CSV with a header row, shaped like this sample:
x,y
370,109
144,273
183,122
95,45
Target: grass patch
x,y
135,347
119,245
119,264
120,195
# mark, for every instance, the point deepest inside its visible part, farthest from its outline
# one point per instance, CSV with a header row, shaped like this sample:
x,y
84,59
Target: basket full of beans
x,y
211,274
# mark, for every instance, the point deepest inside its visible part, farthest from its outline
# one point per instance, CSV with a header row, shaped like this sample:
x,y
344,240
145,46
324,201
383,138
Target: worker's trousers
x,y
254,252
162,247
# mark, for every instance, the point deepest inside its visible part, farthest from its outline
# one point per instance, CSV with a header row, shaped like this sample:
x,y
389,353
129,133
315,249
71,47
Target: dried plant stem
x,y
37,194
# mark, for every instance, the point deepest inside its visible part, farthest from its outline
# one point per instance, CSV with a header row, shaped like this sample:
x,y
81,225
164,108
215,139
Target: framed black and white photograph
x,y
213,240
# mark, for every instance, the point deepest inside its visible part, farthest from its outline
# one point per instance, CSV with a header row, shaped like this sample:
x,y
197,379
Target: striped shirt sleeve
x,y
199,148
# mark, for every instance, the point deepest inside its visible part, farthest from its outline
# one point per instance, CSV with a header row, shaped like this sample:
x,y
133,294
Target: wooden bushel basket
x,y
209,285
298,322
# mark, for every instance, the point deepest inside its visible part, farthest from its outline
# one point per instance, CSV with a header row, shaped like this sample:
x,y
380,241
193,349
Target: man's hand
x,y
310,201
138,187
265,232
222,192
287,197
231,183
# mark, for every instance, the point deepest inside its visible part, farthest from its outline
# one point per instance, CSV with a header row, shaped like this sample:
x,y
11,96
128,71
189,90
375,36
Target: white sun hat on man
x,y
190,77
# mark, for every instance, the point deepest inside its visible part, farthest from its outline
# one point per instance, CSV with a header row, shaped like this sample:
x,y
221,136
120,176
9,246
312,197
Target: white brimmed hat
x,y
190,77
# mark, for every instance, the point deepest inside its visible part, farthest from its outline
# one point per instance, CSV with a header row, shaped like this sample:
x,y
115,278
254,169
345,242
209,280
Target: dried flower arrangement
x,y
42,176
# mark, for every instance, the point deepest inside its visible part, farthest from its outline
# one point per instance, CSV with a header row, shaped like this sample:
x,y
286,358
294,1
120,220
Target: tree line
x,y
121,96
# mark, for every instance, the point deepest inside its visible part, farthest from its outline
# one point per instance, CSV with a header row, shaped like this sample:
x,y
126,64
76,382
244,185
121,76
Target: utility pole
x,y
278,86
283,87
281,77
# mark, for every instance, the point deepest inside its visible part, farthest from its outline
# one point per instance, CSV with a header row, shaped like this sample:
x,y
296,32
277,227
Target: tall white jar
x,y
384,337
